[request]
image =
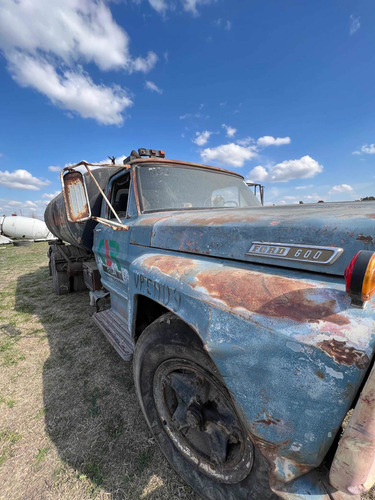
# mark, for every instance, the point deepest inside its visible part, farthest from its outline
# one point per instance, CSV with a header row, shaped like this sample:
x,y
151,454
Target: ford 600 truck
x,y
251,328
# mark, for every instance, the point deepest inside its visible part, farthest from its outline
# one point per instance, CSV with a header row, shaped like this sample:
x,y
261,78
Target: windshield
x,y
184,188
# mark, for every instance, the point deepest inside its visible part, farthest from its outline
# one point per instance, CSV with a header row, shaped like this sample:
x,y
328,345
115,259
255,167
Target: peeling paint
x,y
343,354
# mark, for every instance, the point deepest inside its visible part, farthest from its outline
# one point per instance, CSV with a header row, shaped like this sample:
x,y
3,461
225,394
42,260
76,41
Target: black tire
x,y
60,278
173,373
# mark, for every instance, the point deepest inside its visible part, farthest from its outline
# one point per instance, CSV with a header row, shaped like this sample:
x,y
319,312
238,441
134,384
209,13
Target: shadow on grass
x,y
90,407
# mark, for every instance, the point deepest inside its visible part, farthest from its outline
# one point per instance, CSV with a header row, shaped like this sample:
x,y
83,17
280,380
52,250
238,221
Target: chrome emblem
x,y
300,253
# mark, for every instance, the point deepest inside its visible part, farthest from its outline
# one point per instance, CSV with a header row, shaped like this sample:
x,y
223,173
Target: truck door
x,y
111,246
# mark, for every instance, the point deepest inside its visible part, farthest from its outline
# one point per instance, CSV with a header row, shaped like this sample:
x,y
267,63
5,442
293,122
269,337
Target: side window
x,y
120,195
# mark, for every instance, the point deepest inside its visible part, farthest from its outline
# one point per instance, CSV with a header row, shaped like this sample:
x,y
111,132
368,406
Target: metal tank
x,y
79,234
24,227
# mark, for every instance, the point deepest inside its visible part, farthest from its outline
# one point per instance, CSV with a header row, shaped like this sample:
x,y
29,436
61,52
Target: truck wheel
x,y
60,278
193,417
60,281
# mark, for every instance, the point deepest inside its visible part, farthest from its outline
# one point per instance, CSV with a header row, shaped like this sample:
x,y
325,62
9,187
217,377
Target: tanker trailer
x,y
71,254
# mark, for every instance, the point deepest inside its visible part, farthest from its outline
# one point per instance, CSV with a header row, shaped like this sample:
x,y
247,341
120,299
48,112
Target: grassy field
x,y
70,423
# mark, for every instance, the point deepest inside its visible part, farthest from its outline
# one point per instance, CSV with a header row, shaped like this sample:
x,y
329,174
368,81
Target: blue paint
x,y
277,356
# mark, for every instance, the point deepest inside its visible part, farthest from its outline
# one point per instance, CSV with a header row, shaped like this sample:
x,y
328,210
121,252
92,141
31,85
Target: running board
x,y
116,332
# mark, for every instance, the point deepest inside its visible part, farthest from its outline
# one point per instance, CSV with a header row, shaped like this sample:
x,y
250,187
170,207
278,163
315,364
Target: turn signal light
x,y
360,277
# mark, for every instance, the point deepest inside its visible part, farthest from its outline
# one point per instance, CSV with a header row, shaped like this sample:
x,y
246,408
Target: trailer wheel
x,y
193,417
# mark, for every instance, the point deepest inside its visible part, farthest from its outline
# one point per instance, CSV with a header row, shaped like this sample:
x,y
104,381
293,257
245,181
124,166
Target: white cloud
x,y
246,141
230,131
160,6
258,173
72,30
302,168
341,188
202,137
45,42
354,24
14,203
226,25
50,196
71,90
21,179
26,208
268,140
368,149
228,154
191,5
53,168
308,186
153,87
192,115
143,64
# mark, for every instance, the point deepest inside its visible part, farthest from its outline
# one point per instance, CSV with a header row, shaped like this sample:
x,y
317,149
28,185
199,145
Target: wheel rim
x,y
200,419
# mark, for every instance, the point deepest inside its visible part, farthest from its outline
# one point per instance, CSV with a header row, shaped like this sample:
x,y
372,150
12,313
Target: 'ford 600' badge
x,y
304,253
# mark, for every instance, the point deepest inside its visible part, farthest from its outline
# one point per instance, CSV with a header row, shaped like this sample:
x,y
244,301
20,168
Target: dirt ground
x,y
70,423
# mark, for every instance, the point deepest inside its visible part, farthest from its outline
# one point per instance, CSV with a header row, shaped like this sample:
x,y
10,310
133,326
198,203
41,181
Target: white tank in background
x,y
24,227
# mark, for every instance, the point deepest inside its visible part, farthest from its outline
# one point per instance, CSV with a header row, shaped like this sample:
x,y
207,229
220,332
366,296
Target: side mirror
x,y
77,205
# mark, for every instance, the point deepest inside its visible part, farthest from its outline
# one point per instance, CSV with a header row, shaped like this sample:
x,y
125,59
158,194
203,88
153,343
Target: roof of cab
x,y
167,161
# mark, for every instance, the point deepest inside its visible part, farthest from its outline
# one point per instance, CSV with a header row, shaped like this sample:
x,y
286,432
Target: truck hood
x,y
238,234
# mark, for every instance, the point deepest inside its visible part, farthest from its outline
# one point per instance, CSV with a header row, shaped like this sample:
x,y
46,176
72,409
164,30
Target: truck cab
x,y
251,328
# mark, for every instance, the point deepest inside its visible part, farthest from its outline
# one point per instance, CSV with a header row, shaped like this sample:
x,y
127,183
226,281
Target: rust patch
x,y
267,447
218,219
320,374
58,218
211,217
365,239
269,295
260,293
343,354
268,421
370,216
171,265
150,221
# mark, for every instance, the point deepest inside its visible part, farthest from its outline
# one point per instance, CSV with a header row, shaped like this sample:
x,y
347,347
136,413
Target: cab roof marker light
x,y
360,278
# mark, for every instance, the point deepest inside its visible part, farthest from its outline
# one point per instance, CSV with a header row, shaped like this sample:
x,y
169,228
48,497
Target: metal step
x,y
116,332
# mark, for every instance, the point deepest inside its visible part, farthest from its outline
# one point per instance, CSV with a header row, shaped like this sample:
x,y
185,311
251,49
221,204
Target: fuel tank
x,y
79,234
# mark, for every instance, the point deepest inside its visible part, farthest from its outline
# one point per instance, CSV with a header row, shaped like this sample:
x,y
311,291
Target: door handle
x,y
97,230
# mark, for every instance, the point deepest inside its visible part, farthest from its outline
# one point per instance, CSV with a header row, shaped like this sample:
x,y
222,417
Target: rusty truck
x,y
251,328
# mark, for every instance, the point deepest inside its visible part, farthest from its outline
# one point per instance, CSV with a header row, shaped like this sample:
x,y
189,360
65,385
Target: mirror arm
x,y
114,225
102,193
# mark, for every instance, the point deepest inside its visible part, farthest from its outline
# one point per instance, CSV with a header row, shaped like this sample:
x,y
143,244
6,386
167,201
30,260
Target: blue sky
x,y
281,91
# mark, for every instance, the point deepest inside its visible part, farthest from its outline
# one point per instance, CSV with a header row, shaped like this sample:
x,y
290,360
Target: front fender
x,y
291,349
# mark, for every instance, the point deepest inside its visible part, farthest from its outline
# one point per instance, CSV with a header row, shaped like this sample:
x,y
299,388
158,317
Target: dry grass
x,y
70,423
